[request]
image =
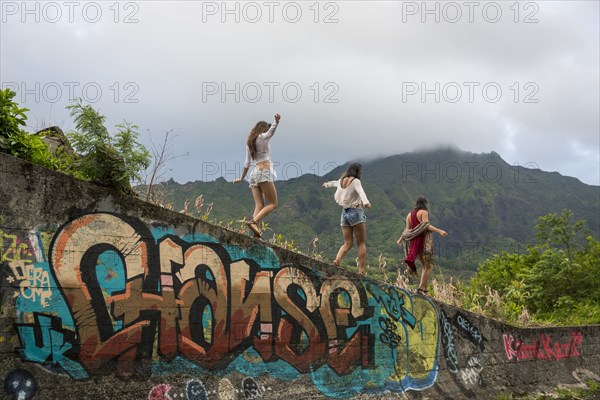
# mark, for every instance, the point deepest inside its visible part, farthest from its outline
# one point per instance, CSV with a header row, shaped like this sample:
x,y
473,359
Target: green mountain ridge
x,y
486,205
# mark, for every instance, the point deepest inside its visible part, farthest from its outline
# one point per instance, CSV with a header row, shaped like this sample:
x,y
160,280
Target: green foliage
x,y
15,141
558,229
554,287
593,385
591,392
106,160
279,240
503,271
11,116
578,393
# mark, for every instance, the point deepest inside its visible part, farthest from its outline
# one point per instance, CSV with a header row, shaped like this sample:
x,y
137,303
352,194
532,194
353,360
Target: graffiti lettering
x,y
13,250
191,281
393,303
542,349
389,337
55,344
471,374
448,343
34,282
471,331
121,294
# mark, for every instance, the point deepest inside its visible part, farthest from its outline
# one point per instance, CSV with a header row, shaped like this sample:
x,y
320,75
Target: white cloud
x,y
168,59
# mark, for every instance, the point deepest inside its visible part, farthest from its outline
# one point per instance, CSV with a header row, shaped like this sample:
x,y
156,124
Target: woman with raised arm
x,y
350,195
261,179
418,242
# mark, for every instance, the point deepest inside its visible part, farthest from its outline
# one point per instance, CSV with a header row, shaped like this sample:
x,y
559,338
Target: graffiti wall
x,y
108,291
106,297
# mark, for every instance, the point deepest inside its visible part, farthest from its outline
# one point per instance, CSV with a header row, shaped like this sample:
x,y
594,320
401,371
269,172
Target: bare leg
x,y
360,232
426,273
348,242
259,202
269,191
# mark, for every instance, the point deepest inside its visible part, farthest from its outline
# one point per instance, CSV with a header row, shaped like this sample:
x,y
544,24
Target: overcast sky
x,y
351,79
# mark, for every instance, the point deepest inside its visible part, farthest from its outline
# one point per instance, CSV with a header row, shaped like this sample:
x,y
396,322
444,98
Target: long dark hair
x,y
260,127
421,203
354,171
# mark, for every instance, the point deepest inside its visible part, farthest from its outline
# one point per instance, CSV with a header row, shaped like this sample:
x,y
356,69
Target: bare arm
x,y
423,216
246,167
406,227
269,134
241,178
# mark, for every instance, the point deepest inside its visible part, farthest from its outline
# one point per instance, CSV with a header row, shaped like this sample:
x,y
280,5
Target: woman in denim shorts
x,y
262,176
351,196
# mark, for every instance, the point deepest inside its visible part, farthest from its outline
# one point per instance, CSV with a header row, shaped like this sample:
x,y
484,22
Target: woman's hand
x,y
237,180
443,233
368,205
399,242
277,118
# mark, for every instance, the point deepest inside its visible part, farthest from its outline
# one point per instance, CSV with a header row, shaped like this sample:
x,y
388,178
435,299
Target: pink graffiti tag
x,y
543,349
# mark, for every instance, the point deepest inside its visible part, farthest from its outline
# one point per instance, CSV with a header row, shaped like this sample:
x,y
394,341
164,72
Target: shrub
x,y
15,141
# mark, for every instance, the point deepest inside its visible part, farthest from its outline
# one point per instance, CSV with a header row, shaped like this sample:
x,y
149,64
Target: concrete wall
x,y
107,297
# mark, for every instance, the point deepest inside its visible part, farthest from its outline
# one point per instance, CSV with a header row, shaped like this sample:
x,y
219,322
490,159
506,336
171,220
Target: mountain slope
x,y
485,204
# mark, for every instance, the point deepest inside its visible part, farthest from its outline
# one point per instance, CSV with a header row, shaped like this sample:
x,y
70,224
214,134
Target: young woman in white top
x,y
261,179
351,196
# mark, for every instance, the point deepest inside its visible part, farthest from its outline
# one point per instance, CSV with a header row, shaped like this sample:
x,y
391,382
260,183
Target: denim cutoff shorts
x,y
352,216
260,175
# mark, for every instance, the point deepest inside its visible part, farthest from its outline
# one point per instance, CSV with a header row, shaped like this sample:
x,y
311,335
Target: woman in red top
x,y
419,215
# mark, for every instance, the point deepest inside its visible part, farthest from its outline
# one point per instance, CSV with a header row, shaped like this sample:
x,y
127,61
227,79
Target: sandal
x,y
422,292
254,228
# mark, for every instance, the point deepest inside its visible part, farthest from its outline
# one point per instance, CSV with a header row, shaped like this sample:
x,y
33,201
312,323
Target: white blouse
x,y
353,196
263,149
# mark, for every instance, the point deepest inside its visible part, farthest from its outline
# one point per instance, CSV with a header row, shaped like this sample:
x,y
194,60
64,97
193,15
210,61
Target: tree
x,y
161,155
559,286
558,229
106,160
